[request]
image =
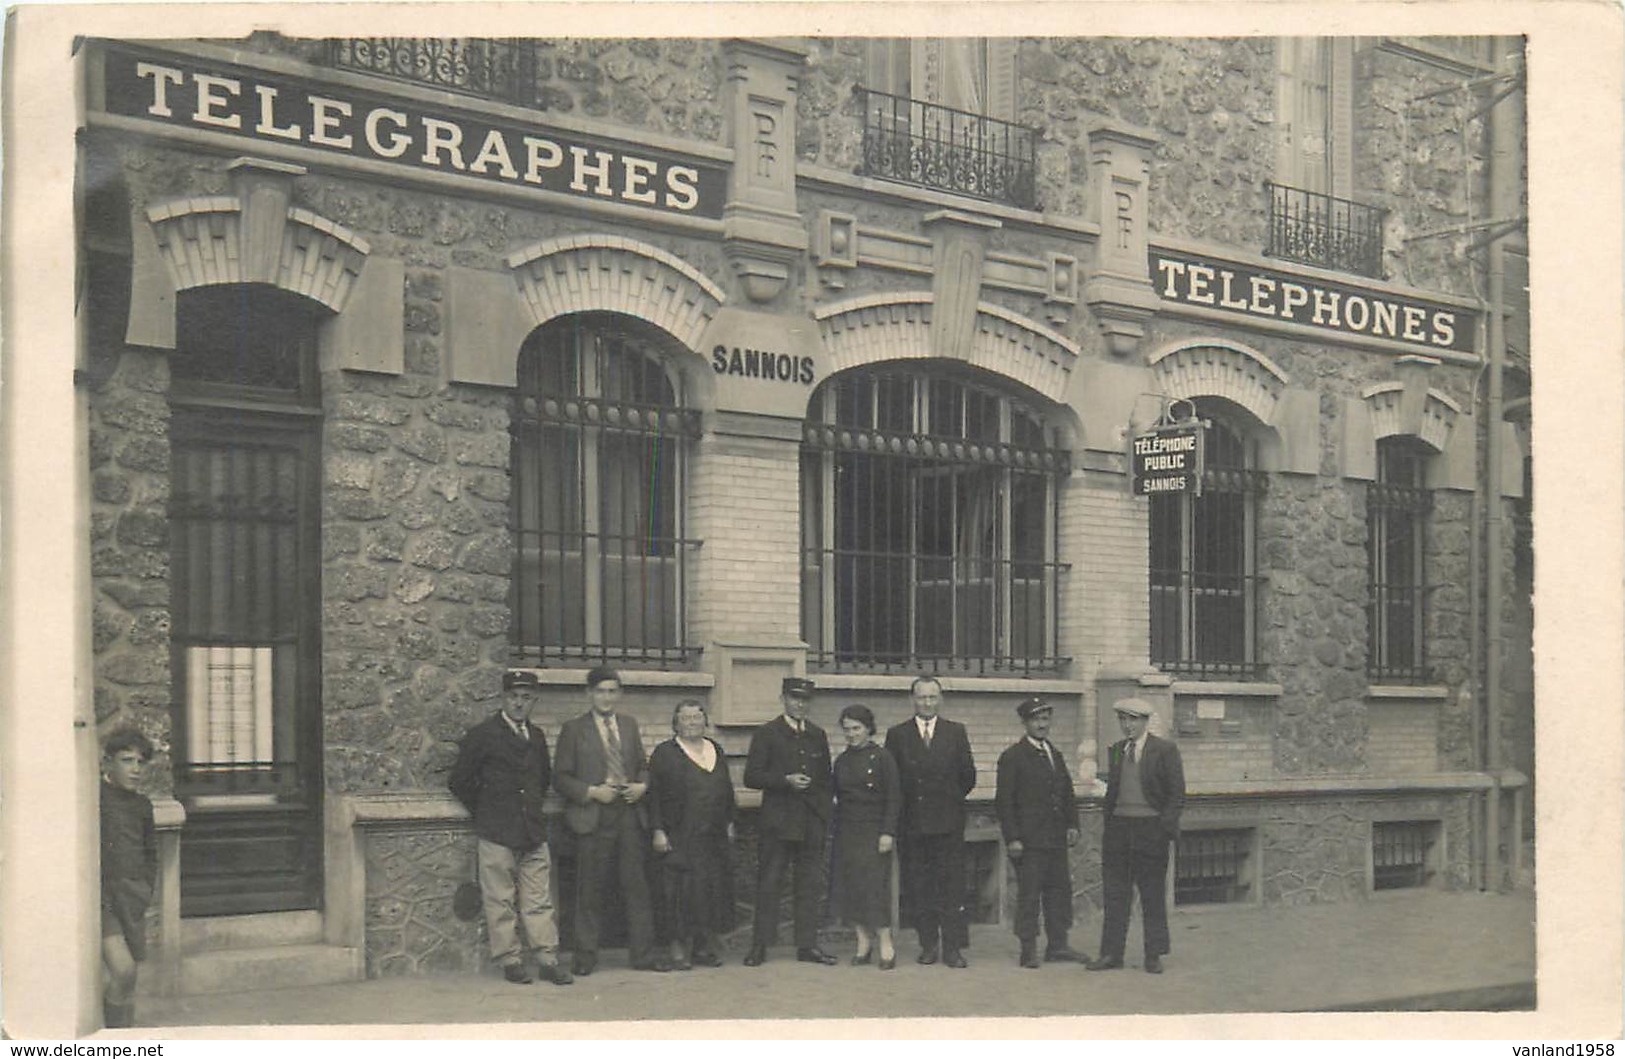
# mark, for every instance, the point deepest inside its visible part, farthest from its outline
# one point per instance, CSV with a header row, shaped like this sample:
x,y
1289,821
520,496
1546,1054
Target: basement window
x,y
1215,867
1404,854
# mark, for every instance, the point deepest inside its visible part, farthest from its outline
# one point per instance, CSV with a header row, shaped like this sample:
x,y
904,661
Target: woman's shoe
x,y
707,959
888,964
863,959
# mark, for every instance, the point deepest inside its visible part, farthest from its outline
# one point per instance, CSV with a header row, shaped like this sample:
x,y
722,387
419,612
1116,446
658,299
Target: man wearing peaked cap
x,y
788,762
1038,816
1145,793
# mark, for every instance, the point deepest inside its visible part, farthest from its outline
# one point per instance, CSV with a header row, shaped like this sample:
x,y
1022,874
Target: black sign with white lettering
x,y
1168,460
1263,293
274,108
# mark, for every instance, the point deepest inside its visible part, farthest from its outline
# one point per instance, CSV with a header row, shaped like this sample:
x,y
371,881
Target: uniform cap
x,y
797,687
1032,706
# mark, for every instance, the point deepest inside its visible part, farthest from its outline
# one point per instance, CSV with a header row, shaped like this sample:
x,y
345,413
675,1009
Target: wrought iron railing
x,y
934,146
1317,229
501,69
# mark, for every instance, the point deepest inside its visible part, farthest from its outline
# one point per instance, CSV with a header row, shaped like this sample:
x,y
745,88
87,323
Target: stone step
x,y
260,930
275,967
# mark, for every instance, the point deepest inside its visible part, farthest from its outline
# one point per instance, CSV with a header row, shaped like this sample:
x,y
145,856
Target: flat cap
x,y
1032,706
1133,707
799,687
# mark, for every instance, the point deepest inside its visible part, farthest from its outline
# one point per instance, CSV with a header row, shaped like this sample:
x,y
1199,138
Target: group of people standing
x,y
904,797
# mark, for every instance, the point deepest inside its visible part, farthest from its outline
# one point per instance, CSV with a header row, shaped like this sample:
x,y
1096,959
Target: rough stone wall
x,y
1312,631
412,875
416,565
129,549
1424,160
1211,102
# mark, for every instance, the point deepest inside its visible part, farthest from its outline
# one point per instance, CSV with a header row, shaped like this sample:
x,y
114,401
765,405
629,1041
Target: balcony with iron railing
x,y
1312,228
933,146
487,68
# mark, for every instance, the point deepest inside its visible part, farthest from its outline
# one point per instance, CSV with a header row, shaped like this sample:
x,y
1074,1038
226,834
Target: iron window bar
x,y
934,146
1396,607
1313,228
1400,851
1204,599
1211,867
488,68
631,562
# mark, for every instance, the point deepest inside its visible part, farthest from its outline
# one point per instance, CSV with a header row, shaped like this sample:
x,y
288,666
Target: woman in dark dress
x,y
691,811
868,799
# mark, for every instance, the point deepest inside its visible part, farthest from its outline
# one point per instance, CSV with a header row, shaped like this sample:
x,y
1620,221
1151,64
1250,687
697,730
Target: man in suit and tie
x,y
1145,793
501,777
1038,815
603,775
788,762
937,773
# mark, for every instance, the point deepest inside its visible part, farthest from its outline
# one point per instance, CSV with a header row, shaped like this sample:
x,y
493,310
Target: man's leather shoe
x,y
1104,963
1029,955
653,963
552,972
815,955
1153,965
708,959
755,956
516,973
953,958
583,964
1062,954
927,957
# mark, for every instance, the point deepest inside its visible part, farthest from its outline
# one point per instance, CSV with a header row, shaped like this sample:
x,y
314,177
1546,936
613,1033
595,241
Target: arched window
x,y
928,526
1397,506
599,441
1204,606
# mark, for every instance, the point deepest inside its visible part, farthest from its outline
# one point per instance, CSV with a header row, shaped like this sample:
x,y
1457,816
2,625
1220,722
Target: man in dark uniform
x,y
1145,793
603,774
1038,815
937,772
501,777
788,762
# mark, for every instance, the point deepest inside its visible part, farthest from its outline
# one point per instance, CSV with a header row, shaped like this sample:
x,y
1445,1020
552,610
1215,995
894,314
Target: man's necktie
x,y
928,736
1129,752
1049,756
617,770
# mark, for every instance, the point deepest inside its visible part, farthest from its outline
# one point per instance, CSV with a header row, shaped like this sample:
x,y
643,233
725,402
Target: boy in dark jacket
x,y
129,870
501,776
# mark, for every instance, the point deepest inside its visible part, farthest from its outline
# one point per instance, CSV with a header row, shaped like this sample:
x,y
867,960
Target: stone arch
x,y
610,273
897,326
1385,402
234,239
1216,367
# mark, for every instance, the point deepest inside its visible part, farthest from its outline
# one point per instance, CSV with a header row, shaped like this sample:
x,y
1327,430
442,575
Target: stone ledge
x,y
1257,689
630,678
990,685
1429,781
1433,692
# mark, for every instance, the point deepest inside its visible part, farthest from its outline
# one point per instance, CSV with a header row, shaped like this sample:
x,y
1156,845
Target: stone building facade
x,y
858,336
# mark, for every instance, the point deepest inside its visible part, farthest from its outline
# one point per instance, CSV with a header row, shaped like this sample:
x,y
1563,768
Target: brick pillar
x,y
744,602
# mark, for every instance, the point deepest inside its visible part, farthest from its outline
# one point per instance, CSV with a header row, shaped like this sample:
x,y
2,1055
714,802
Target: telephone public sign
x,y
1168,460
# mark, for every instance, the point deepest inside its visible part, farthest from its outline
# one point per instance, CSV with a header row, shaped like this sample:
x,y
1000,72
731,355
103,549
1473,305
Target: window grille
x,y
1402,853
600,438
1204,588
1397,507
1214,867
928,528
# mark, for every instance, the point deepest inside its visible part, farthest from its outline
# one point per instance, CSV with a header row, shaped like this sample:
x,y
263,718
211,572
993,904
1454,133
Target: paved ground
x,y
1407,952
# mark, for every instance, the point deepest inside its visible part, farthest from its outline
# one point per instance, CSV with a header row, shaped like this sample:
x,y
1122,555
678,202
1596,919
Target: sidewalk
x,y
1409,952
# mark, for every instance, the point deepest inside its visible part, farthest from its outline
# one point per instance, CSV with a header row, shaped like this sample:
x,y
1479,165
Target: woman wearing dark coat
x,y
868,799
691,811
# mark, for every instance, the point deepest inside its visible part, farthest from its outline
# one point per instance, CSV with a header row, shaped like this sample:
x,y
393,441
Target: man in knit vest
x,y
1145,791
